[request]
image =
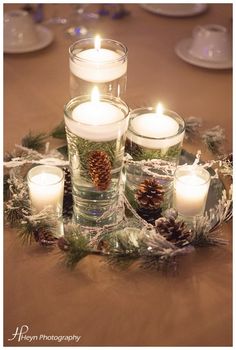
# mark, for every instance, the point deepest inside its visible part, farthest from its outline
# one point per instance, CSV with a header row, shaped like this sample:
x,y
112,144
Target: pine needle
x,y
34,141
59,131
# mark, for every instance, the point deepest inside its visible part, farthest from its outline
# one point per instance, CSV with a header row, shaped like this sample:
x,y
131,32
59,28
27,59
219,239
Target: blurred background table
x,y
104,305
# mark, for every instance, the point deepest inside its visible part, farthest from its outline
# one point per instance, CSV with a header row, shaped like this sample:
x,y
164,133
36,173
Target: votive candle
x,y
191,186
46,188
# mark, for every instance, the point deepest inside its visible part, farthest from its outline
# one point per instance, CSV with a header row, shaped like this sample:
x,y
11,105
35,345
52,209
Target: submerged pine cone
x,y
100,169
177,232
150,194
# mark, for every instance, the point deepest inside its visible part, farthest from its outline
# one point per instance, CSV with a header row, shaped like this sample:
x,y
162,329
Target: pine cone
x,y
150,215
44,237
100,169
63,244
174,231
150,194
68,199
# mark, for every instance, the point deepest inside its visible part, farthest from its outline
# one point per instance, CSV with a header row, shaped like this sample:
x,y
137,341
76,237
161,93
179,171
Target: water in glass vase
x,y
116,87
95,172
150,185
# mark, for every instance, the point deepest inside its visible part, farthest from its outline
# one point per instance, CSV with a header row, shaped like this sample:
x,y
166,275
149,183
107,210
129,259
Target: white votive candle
x,y
46,188
191,185
97,64
156,129
97,119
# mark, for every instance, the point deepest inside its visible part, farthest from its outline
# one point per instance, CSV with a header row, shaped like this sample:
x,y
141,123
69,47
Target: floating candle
x,y
97,120
156,129
99,65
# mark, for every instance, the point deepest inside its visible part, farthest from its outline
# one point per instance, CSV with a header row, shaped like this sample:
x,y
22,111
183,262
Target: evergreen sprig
x,y
59,131
192,127
214,139
125,246
78,245
34,141
141,153
206,229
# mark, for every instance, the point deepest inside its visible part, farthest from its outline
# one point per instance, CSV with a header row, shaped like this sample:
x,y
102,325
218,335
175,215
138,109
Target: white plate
x,y
182,50
45,38
175,10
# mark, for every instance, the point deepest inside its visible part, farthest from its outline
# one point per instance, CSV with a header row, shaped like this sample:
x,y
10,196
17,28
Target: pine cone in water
x,y
150,194
68,199
100,169
174,231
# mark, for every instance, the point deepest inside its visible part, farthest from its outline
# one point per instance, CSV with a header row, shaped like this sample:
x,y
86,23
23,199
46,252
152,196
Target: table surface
x,y
102,304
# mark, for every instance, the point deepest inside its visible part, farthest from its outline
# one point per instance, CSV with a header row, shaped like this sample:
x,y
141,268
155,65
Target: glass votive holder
x,y
46,188
96,134
152,134
191,186
102,63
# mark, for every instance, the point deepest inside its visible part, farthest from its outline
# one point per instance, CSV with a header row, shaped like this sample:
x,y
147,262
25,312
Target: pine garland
x,y
131,238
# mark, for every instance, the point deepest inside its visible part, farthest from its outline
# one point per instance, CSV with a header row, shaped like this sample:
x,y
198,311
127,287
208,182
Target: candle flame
x,y
159,109
95,96
97,42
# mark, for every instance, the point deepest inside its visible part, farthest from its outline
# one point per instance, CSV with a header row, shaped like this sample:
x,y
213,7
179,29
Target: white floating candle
x,y
97,120
155,130
46,185
191,187
98,65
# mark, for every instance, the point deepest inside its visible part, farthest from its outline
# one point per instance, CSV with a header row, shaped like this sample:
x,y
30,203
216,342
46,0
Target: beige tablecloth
x,y
102,304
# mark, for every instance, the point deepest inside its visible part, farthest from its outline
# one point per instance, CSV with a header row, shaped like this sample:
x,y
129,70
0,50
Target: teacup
x,y
210,42
19,29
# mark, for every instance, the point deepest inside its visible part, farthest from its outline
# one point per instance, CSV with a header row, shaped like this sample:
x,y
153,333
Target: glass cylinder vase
x,y
96,134
105,66
152,136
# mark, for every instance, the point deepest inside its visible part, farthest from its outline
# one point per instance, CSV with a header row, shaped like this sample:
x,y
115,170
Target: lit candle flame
x,y
159,109
95,96
97,42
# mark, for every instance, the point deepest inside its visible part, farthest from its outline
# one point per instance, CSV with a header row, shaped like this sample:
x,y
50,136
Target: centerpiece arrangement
x,y
119,191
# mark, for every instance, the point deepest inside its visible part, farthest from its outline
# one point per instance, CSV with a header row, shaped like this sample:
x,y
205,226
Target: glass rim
x,y
150,110
188,166
118,43
87,98
61,176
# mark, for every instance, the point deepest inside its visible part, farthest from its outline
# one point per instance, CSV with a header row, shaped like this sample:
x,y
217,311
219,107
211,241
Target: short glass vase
x,y
105,67
149,185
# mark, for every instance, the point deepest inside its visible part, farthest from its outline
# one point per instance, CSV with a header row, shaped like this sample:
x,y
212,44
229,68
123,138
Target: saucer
x,y
45,38
182,50
175,11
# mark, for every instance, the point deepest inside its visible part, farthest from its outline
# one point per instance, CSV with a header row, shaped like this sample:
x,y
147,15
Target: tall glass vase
x,y
96,133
